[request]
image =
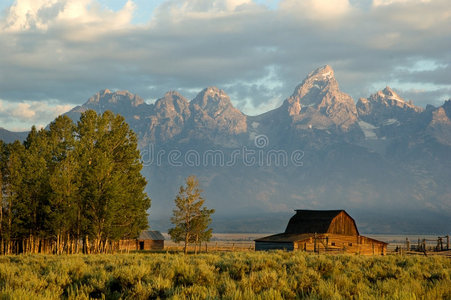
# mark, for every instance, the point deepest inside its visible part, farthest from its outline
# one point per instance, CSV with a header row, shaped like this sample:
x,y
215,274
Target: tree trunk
x,y
1,220
196,244
57,246
78,230
9,225
68,245
185,250
87,247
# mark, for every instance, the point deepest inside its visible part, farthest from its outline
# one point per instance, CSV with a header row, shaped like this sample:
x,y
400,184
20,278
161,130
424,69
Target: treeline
x,y
72,187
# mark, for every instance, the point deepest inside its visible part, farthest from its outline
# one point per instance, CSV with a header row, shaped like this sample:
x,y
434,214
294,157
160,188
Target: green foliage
x,y
235,275
72,182
190,218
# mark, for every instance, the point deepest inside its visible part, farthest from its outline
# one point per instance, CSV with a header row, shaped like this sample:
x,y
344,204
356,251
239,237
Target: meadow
x,y
224,275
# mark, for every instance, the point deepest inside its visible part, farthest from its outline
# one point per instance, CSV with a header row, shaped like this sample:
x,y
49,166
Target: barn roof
x,y
151,235
311,221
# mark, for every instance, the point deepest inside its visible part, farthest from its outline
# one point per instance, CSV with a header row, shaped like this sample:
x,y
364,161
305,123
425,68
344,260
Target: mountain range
x,y
383,159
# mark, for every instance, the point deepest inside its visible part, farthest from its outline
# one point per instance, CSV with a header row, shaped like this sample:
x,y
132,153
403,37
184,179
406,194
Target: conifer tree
x,y
34,194
190,217
12,187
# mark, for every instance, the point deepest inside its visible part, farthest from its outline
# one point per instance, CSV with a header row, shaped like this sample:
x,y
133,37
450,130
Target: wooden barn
x,y
147,240
322,231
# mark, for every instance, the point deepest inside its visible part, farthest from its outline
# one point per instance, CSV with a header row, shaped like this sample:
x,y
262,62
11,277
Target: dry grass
x,y
224,275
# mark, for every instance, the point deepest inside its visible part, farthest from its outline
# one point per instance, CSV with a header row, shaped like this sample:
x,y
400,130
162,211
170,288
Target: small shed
x,y
147,240
322,231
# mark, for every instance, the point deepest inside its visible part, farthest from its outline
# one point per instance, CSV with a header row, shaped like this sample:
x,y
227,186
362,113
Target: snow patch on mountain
x,y
368,130
391,122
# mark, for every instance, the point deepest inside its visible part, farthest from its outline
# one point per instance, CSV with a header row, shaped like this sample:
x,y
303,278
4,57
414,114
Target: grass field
x,y
227,275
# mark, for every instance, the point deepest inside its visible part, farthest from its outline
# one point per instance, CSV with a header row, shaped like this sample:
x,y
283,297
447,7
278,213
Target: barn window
x,y
350,244
333,243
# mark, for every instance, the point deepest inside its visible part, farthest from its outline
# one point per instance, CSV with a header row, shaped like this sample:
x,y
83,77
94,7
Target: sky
x,y
55,54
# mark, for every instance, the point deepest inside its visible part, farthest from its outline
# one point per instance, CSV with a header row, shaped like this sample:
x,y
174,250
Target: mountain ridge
x,y
379,156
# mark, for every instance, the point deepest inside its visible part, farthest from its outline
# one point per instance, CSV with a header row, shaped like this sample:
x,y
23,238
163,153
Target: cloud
x,y
377,3
26,15
21,116
69,49
317,9
423,97
23,111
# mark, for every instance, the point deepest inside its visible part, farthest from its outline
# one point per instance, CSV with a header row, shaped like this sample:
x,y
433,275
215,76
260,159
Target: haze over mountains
x,y
385,160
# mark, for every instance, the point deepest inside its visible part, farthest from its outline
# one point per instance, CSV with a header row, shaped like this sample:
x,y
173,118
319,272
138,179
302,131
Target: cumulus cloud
x,y
21,116
70,49
391,2
27,15
318,9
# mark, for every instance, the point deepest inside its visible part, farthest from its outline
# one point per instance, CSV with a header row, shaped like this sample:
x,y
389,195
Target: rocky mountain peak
x,y
106,98
171,98
386,105
172,103
167,118
389,93
390,98
442,114
319,102
317,82
440,124
323,72
212,99
447,107
212,108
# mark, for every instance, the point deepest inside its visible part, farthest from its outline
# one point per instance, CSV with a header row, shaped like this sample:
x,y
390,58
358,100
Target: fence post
x,y
314,243
447,242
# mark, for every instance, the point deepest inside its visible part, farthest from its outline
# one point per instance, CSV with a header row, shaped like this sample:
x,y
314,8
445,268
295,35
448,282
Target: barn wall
x,y
153,245
343,224
342,244
132,245
128,245
259,246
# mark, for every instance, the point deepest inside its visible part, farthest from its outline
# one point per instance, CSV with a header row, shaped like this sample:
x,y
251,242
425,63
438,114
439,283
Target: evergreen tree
x,y
190,218
34,209
12,189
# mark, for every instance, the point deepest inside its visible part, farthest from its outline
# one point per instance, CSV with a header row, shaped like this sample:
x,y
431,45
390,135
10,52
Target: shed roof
x,y
151,235
310,221
284,238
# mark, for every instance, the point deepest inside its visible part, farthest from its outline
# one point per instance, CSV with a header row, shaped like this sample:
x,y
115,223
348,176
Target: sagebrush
x,y
232,275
